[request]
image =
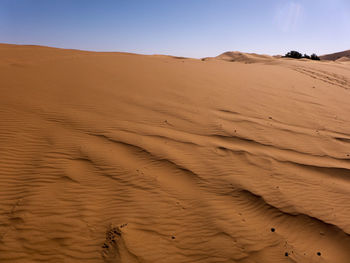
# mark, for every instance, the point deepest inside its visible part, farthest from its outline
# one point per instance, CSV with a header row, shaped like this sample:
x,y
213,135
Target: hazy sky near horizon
x,y
194,28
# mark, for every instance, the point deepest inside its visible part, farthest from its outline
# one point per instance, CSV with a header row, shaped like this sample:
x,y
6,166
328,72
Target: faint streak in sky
x,y
288,16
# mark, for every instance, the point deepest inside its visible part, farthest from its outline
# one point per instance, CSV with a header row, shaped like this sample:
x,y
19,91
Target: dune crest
x,y
117,157
235,56
336,56
343,59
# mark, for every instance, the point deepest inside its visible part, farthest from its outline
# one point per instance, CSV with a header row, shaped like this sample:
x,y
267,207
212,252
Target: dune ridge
x,y
117,157
336,56
236,56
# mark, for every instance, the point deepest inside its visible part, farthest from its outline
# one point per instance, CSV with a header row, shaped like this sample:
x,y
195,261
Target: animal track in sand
x,y
110,247
113,245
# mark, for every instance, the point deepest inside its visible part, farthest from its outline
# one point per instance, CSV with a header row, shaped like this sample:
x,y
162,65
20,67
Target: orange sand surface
x,y
116,157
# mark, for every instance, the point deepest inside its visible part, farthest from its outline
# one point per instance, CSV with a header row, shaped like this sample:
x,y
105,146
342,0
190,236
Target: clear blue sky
x,y
194,28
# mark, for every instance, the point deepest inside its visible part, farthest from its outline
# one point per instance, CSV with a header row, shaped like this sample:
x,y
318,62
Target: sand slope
x,y
114,157
235,56
336,56
343,59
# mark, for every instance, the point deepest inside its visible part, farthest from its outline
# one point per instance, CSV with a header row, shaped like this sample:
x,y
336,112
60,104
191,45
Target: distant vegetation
x,y
298,55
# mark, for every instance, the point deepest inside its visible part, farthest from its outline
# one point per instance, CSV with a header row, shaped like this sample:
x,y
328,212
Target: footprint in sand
x,y
110,250
114,248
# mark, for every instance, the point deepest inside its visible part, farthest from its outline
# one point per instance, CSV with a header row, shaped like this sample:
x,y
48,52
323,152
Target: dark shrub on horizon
x,y
294,54
314,57
298,55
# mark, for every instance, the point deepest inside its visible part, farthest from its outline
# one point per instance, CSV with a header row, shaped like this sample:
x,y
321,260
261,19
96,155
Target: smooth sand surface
x,y
115,157
337,55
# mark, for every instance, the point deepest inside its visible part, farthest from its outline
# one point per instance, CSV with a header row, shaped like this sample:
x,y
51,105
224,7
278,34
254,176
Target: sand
x,y
236,56
336,56
343,59
116,157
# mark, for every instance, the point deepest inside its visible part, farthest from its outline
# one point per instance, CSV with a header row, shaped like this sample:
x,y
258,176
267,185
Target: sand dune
x,y
343,59
115,157
235,56
336,56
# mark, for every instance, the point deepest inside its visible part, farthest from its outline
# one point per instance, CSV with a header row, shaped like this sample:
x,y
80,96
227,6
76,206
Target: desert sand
x,y
344,55
117,157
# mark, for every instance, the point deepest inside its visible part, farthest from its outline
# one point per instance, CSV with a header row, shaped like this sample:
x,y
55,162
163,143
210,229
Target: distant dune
x,y
235,56
336,56
343,59
116,157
